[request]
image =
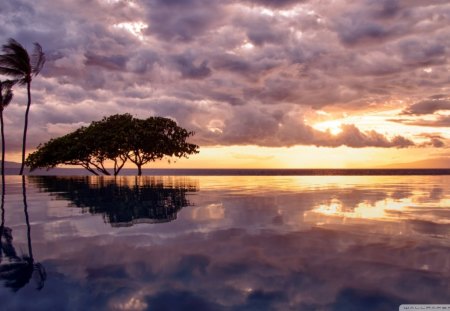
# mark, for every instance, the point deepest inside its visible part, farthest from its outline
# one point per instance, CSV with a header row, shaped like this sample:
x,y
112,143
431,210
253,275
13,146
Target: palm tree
x,y
6,96
17,63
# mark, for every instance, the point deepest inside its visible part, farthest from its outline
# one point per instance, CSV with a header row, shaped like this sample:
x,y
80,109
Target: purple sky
x,y
242,72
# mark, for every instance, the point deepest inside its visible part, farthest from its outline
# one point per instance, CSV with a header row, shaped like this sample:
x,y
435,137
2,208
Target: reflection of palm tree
x,y
6,96
18,270
17,63
2,226
147,200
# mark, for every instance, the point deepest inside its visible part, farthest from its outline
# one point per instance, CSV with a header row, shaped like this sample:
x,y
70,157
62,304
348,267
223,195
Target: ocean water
x,y
241,172
224,242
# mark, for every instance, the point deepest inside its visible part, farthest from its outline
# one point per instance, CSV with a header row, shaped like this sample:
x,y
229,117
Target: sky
x,y
263,83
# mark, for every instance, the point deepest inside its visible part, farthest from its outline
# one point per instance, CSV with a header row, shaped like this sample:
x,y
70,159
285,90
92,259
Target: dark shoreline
x,y
247,172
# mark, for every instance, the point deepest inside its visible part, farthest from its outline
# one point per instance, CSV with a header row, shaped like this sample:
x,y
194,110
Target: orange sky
x,y
263,84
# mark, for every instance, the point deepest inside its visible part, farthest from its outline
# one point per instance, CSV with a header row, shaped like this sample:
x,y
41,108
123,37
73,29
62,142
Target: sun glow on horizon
x,y
333,126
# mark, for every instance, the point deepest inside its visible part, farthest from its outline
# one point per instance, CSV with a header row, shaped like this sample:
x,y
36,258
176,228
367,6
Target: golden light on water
x,y
387,209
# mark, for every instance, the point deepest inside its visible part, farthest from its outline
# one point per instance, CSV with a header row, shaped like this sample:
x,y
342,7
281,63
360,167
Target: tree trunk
x,y
25,128
139,169
3,143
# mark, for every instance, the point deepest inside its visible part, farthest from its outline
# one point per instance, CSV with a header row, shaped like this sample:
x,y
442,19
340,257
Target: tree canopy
x,y
117,138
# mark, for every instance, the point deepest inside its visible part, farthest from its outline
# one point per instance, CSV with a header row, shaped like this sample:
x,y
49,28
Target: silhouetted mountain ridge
x,y
10,164
438,162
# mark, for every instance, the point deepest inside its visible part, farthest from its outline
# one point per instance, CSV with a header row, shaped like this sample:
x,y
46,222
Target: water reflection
x,y
16,271
271,243
122,201
422,210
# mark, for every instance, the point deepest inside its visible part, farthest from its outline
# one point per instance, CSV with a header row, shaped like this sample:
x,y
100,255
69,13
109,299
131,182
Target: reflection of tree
x,y
17,270
122,202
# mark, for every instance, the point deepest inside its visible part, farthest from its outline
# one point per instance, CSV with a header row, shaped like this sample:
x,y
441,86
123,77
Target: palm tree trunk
x,y
3,143
25,128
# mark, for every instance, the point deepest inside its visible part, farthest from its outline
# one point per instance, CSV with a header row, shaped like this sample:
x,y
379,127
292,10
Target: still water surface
x,y
224,243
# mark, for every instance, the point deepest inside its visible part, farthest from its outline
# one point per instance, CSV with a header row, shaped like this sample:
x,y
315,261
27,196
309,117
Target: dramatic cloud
x,y
236,72
430,112
274,129
428,106
440,121
275,3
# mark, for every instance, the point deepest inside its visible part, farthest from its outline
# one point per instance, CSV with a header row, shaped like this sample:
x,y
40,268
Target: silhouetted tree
x,y
118,138
6,96
154,138
109,140
88,147
17,63
70,149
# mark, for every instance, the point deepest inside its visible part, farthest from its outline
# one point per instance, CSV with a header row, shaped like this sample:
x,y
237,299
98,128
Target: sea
x,y
225,240
241,172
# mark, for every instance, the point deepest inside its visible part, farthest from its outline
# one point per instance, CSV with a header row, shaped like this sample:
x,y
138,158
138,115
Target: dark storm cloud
x,y
142,61
181,20
428,106
228,65
440,121
185,64
261,29
433,105
368,21
278,4
436,143
273,129
114,62
424,53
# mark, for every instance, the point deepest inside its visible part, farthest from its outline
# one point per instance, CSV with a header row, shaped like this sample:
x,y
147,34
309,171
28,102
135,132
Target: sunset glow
x,y
263,84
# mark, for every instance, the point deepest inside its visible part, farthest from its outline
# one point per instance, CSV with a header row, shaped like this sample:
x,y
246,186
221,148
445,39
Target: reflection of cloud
x,y
242,260
211,211
242,271
358,299
393,207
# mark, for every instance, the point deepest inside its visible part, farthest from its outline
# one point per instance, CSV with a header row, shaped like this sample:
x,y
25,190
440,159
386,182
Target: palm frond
x,y
6,93
15,61
12,61
14,47
37,59
13,73
7,98
8,83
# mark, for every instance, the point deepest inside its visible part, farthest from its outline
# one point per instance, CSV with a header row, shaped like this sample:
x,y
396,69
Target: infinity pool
x,y
224,243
